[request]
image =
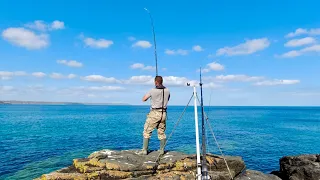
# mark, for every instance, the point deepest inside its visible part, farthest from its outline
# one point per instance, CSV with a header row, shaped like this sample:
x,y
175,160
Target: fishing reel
x,y
188,84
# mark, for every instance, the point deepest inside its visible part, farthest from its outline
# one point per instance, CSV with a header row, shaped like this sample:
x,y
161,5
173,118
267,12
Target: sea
x,y
39,139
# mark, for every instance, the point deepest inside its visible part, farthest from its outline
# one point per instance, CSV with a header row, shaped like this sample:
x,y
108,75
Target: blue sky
x,y
251,52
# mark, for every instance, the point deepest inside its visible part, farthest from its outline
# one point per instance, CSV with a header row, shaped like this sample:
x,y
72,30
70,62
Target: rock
x,y
256,175
109,164
64,176
279,174
303,167
217,163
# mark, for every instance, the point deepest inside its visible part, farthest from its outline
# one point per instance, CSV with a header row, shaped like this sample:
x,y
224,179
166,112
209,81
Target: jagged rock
x,y
256,175
68,173
303,167
64,176
110,164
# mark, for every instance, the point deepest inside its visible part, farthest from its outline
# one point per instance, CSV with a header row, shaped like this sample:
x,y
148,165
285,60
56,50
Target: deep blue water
x,y
38,139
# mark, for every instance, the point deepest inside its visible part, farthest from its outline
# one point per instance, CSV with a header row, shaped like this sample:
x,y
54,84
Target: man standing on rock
x,y
157,116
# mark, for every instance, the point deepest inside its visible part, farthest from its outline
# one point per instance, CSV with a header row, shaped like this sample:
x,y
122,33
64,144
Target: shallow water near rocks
x,y
38,139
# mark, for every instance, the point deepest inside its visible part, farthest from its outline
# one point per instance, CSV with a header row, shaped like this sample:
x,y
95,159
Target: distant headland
x,y
56,103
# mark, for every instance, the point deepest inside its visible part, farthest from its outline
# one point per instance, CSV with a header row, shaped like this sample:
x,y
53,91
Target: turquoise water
x,y
38,139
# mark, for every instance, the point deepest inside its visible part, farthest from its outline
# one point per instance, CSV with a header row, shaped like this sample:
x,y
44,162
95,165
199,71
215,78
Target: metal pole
x,y
154,41
204,160
197,133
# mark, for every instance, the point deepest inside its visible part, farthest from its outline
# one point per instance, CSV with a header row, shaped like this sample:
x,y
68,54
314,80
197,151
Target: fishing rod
x,y
204,160
204,170
154,41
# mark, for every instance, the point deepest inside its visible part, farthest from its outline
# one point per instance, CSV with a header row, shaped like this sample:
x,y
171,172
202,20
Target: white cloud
x,y
295,53
276,82
167,80
89,91
314,48
291,54
6,88
140,80
212,66
142,44
301,31
300,42
19,73
137,66
170,52
57,25
249,47
215,66
176,52
37,25
35,88
314,31
97,43
71,76
25,38
177,81
57,76
82,91
236,78
212,85
149,68
106,88
99,78
142,66
61,76
71,63
91,96
197,48
298,32
131,38
39,74
259,80
43,26
6,75
97,88
183,52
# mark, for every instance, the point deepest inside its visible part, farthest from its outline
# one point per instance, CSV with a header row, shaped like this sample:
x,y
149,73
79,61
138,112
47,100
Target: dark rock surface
x,y
110,164
126,164
303,167
256,175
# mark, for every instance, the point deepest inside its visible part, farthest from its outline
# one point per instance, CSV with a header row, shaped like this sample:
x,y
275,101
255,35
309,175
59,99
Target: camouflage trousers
x,y
153,121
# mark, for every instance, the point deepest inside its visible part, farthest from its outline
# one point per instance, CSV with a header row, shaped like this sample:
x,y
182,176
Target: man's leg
x,y
161,132
149,126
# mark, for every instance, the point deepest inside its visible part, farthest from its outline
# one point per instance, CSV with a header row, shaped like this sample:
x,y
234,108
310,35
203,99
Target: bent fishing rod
x,y
154,41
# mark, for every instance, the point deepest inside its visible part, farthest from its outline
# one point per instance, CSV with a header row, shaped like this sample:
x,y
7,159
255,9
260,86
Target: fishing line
x,y
179,119
215,139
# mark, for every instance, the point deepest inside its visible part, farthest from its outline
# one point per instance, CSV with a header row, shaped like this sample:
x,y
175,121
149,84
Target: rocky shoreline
x,y
126,164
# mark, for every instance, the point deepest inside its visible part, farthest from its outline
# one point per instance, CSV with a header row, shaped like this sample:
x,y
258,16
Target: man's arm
x,y
146,97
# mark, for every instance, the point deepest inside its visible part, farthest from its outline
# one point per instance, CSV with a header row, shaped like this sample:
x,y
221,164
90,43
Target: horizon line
x,y
27,102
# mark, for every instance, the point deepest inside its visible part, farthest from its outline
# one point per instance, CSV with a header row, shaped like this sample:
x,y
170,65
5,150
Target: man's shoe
x,y
144,150
162,144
